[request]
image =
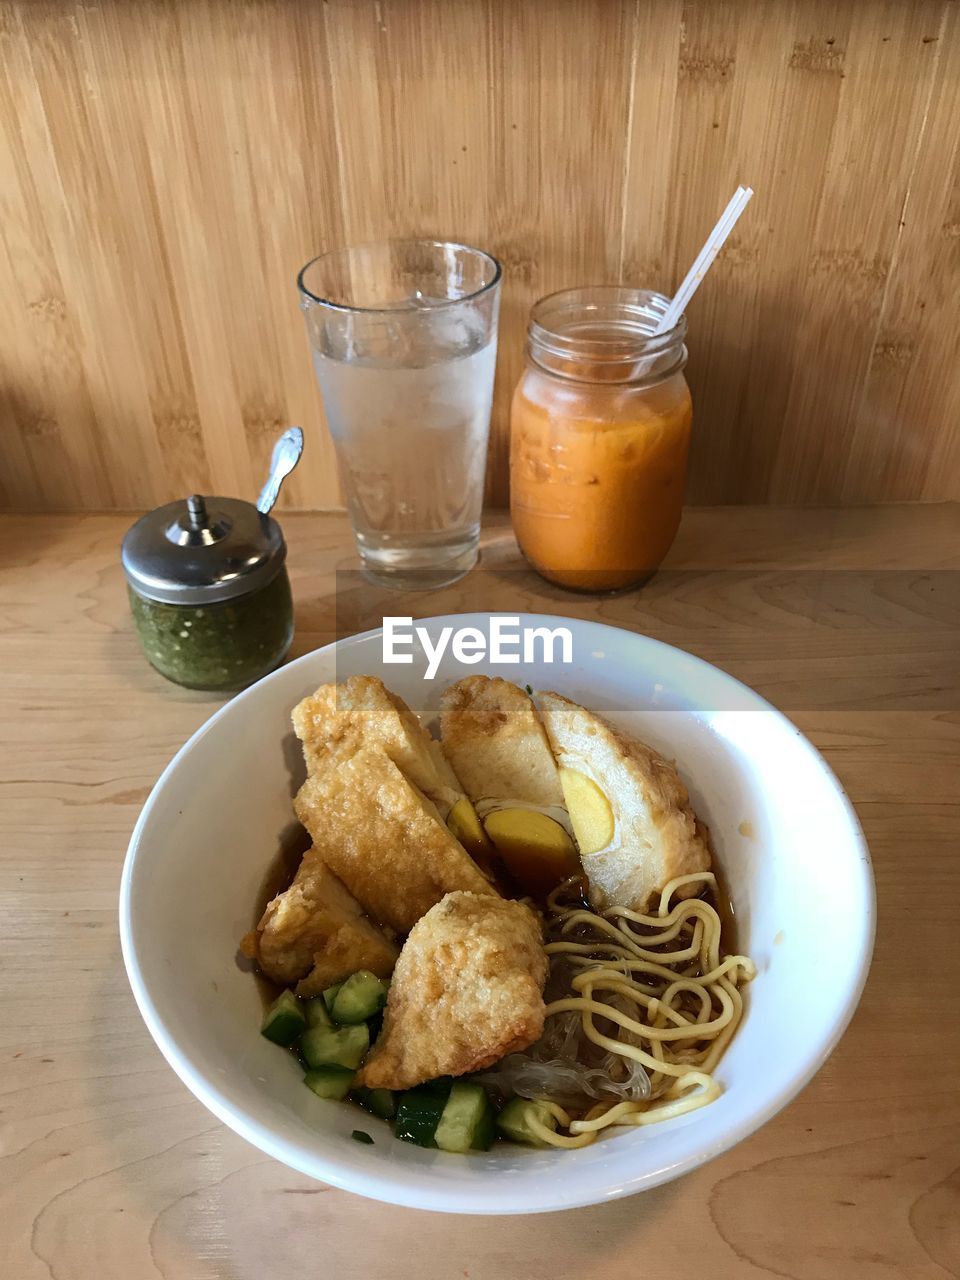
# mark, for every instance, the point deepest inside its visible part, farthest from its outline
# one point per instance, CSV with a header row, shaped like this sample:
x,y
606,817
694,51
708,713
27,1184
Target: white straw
x,y
704,261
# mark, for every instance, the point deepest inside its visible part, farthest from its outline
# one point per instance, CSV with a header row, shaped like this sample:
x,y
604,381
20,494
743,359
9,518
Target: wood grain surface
x,y
166,166
110,1170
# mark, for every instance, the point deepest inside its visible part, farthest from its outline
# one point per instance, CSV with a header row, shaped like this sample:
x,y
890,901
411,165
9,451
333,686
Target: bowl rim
x,y
391,1188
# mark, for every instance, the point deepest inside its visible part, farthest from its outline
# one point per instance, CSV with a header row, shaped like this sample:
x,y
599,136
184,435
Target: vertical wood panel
x,y
888,69
78,174
648,218
906,440
241,217
141,269
793,127
51,435
166,166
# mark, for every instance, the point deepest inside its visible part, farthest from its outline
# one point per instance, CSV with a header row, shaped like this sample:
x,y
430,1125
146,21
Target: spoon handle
x,y
286,455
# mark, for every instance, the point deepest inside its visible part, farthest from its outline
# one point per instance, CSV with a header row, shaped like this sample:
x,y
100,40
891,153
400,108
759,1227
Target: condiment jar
x,y
600,430
209,591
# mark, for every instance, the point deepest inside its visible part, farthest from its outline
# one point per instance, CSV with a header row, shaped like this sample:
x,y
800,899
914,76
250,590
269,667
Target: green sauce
x,y
217,646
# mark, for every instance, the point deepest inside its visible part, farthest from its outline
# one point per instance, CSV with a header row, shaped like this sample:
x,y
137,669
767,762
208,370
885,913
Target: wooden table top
x,y
109,1168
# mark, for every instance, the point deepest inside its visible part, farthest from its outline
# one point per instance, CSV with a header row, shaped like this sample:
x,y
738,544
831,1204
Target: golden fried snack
x,y
315,934
496,743
630,811
338,719
386,841
466,991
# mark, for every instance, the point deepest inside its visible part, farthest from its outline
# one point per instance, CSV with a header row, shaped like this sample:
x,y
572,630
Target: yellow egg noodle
x,y
685,1002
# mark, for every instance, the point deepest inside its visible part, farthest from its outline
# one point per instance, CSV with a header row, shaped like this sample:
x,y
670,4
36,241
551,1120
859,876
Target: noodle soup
x,y
444,999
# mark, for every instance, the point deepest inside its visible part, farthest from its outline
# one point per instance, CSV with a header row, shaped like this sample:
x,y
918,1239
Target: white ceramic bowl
x,y
787,838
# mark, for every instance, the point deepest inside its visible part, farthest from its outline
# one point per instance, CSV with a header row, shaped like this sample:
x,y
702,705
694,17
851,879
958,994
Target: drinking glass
x,y
404,342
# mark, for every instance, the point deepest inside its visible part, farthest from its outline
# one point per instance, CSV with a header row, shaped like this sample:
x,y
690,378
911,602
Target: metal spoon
x,y
286,455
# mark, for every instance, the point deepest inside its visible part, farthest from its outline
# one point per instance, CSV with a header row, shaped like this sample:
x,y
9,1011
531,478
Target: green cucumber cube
x,y
317,1013
330,1082
359,998
466,1122
513,1121
330,995
418,1114
284,1020
379,1102
336,1047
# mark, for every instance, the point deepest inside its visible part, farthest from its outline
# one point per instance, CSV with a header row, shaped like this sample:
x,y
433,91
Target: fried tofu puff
x,y
361,712
384,839
466,991
314,934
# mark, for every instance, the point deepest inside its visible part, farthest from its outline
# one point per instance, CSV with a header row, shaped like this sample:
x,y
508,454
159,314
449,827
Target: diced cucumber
x,y
418,1114
339,1047
379,1102
330,1082
284,1020
466,1121
359,998
486,1131
330,995
317,1013
513,1121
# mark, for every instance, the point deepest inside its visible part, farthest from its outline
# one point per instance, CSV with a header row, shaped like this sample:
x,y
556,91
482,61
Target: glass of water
x,y
404,341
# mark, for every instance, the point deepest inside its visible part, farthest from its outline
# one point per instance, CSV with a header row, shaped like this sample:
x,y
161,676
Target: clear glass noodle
x,y
404,342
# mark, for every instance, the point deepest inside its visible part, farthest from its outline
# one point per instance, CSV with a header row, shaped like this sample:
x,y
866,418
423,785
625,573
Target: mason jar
x,y
600,432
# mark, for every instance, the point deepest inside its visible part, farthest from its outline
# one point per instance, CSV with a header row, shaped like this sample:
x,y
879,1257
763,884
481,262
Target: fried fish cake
x,y
339,719
653,835
498,746
384,839
466,991
315,934
496,743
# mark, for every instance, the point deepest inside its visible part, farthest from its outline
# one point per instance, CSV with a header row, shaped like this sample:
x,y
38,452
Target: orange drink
x,y
600,430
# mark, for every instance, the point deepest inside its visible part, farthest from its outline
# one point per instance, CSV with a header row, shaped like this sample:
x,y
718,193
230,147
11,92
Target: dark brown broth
x,y
720,899
277,878
281,870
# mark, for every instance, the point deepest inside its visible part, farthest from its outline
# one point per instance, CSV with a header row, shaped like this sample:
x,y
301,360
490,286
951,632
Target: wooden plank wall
x,y
167,165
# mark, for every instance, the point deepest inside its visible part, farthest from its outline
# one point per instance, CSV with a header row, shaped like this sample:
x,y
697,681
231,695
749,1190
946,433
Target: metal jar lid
x,y
202,550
